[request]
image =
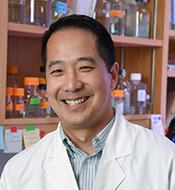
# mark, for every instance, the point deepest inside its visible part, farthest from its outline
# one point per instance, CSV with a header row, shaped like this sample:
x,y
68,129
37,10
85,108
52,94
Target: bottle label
x,y
19,107
60,7
141,95
44,105
34,101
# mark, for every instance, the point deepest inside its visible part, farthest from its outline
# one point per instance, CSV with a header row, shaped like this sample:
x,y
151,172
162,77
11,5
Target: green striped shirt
x,y
84,165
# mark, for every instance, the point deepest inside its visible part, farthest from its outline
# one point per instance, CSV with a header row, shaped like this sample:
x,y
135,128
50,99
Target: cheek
x,y
52,86
101,83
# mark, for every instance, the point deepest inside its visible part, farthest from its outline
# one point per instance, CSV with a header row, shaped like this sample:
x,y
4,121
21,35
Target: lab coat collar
x,y
118,147
58,171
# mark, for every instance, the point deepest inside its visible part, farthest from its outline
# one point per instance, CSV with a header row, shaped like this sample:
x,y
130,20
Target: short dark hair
x,y
104,41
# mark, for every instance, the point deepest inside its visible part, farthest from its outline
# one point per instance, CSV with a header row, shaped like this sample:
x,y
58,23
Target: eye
x,y
86,68
56,72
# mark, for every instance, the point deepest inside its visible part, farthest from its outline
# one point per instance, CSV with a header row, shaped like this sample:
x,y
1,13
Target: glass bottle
x,y
118,100
131,19
172,11
29,11
142,19
118,17
38,12
32,98
148,103
16,10
13,12
18,101
43,12
12,76
9,102
102,12
138,94
124,85
60,9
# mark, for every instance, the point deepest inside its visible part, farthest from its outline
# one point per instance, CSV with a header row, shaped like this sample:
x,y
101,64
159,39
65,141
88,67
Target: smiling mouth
x,y
76,101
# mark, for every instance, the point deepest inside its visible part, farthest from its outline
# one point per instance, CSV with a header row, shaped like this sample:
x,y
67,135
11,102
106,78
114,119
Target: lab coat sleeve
x,y
5,184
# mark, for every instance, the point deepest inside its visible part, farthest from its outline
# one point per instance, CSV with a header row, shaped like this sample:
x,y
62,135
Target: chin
x,y
70,121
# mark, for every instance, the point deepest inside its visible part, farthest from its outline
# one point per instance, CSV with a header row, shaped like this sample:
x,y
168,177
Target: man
x,y
94,147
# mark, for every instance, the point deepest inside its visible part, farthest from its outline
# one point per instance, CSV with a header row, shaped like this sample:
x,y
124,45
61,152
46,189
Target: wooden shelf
x,y
143,120
136,42
138,117
27,30
172,34
37,31
24,121
54,120
171,74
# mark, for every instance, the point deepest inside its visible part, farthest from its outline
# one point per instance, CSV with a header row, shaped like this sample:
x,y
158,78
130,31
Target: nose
x,y
73,82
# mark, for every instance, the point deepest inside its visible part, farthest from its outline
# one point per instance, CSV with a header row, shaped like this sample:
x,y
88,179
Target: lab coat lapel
x,y
110,174
58,171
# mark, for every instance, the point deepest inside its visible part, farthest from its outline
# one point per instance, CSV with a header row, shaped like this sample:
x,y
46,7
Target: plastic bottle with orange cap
x,y
18,101
118,100
32,98
12,76
9,102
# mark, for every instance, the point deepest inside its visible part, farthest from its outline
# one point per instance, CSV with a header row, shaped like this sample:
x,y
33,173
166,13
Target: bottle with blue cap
x,y
60,9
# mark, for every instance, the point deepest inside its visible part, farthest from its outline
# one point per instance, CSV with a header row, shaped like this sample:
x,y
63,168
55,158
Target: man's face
x,y
78,84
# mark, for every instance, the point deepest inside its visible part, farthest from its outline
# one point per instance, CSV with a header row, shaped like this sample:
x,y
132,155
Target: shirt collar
x,y
98,142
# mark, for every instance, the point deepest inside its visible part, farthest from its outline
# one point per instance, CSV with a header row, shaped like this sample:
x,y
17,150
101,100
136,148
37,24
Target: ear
x,y
114,74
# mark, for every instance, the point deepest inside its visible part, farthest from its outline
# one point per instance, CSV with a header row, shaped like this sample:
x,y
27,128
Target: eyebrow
x,y
52,63
88,58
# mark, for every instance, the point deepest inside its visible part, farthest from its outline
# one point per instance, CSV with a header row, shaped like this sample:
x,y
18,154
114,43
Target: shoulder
x,y
140,140
150,141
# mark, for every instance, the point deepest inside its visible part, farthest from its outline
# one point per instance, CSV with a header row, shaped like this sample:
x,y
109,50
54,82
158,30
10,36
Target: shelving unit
x,y
171,74
20,45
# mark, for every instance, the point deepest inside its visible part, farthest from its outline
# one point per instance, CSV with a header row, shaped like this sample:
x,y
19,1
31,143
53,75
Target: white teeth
x,y
74,102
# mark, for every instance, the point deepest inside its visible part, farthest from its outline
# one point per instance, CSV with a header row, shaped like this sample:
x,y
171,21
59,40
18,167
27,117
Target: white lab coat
x,y
134,158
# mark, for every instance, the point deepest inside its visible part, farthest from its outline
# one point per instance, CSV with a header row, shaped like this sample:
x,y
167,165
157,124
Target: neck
x,y
82,136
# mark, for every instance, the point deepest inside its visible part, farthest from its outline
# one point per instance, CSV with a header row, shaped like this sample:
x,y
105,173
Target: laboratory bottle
x,y
30,12
60,9
12,76
148,103
44,104
16,11
102,12
131,19
13,11
118,100
18,102
138,94
9,102
43,12
32,17
39,12
142,19
118,17
172,12
123,84
32,98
